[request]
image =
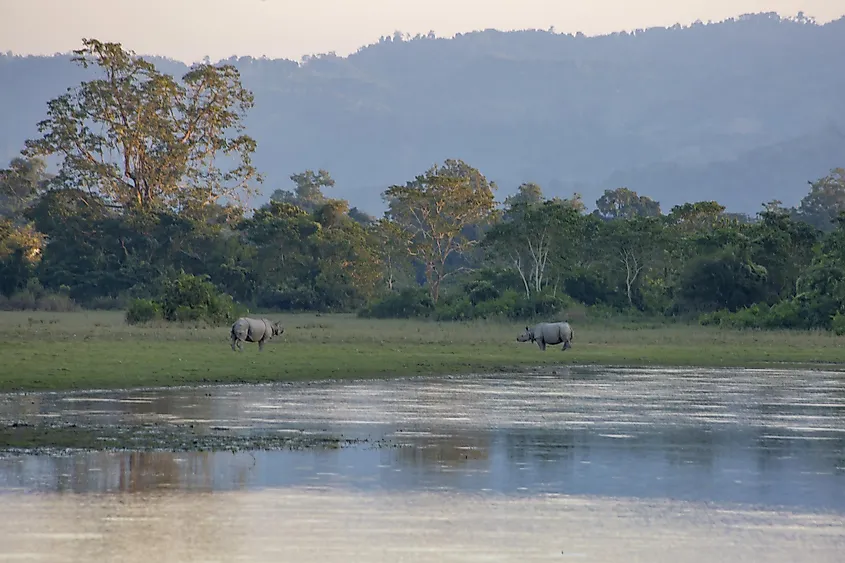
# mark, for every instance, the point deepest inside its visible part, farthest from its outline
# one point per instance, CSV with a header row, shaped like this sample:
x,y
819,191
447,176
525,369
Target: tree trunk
x,y
390,280
517,263
433,278
632,270
435,291
525,283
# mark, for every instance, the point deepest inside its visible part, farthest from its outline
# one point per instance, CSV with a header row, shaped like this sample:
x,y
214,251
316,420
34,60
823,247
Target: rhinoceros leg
x,y
566,345
260,344
233,343
542,344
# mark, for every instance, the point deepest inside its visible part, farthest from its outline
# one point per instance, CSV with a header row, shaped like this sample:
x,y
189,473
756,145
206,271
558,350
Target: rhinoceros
x,y
246,329
548,333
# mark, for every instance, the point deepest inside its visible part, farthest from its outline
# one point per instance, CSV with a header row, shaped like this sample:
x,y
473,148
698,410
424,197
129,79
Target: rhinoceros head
x,y
277,329
526,336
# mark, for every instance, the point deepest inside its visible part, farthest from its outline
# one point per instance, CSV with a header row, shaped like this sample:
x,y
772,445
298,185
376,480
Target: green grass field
x,y
51,351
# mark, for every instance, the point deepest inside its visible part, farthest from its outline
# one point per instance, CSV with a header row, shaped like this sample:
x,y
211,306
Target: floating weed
x,y
45,438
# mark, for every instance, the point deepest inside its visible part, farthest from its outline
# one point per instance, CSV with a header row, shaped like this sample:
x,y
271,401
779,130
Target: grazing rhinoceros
x,y
548,333
246,329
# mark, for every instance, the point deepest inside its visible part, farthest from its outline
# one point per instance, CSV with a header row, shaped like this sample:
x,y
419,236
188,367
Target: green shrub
x,y
106,303
142,311
186,298
33,297
502,306
407,303
454,309
790,314
298,298
540,306
480,291
787,314
838,324
193,298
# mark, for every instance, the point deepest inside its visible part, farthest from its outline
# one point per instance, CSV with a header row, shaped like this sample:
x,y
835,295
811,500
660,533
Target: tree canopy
x,y
145,141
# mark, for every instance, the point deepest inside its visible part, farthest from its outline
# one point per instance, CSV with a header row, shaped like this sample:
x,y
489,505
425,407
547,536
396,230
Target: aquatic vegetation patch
x,y
19,437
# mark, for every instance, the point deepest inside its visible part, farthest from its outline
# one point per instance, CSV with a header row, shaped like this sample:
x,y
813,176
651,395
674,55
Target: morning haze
x,y
188,30
743,111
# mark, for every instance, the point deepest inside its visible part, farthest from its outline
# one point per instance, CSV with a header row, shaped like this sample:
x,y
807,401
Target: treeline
x,y
444,249
160,229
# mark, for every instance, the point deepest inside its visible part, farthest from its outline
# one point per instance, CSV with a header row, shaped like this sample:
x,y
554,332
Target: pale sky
x,y
188,30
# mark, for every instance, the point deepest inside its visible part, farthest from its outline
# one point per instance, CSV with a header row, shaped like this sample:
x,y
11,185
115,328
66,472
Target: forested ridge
x,y
146,211
741,111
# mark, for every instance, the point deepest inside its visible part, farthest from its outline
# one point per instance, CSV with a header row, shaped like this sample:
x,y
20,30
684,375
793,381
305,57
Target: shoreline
x,y
70,384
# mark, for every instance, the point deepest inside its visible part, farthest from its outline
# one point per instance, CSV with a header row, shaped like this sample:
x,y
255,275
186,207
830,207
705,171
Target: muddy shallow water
x,y
591,464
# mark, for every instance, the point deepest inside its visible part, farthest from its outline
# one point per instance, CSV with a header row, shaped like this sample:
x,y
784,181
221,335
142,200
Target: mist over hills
x,y
742,111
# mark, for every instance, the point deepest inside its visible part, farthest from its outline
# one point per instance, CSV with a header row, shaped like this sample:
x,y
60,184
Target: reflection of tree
x,y
130,472
436,451
141,471
524,446
694,445
164,527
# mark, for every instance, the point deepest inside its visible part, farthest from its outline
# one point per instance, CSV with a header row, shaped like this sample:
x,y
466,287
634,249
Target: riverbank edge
x,y
69,385
46,438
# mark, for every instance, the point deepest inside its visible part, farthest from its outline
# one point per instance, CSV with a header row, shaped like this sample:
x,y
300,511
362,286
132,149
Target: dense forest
x,y
146,211
742,111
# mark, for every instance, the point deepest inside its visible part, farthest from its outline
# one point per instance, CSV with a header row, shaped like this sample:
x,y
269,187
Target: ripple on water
x,y
645,433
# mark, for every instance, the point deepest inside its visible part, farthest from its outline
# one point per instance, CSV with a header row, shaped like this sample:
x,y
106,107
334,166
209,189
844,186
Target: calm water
x,y
590,464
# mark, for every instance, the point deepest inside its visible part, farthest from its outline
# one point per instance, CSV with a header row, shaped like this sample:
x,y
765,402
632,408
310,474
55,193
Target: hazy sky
x,y
191,29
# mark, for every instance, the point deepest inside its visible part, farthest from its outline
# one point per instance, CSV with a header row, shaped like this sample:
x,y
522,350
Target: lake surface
x,y
586,464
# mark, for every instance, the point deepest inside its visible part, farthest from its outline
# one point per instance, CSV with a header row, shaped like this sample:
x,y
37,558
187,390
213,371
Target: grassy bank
x,y
98,350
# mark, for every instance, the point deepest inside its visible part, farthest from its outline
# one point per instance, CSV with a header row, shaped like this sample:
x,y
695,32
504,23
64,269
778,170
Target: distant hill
x,y
777,171
742,111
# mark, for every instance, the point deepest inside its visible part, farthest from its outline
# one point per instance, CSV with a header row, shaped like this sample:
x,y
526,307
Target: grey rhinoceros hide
x,y
548,333
246,329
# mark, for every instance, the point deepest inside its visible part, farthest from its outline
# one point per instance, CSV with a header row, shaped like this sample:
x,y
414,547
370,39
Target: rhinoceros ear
x,y
526,329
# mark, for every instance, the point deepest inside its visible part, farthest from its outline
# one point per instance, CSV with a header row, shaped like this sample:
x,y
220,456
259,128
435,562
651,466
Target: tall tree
x,y
308,193
624,203
346,265
634,245
434,211
143,140
784,247
361,217
821,207
538,237
527,195
20,185
821,288
393,252
695,217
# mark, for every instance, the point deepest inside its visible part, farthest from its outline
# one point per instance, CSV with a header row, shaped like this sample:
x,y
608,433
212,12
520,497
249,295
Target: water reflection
x,y
761,437
302,524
